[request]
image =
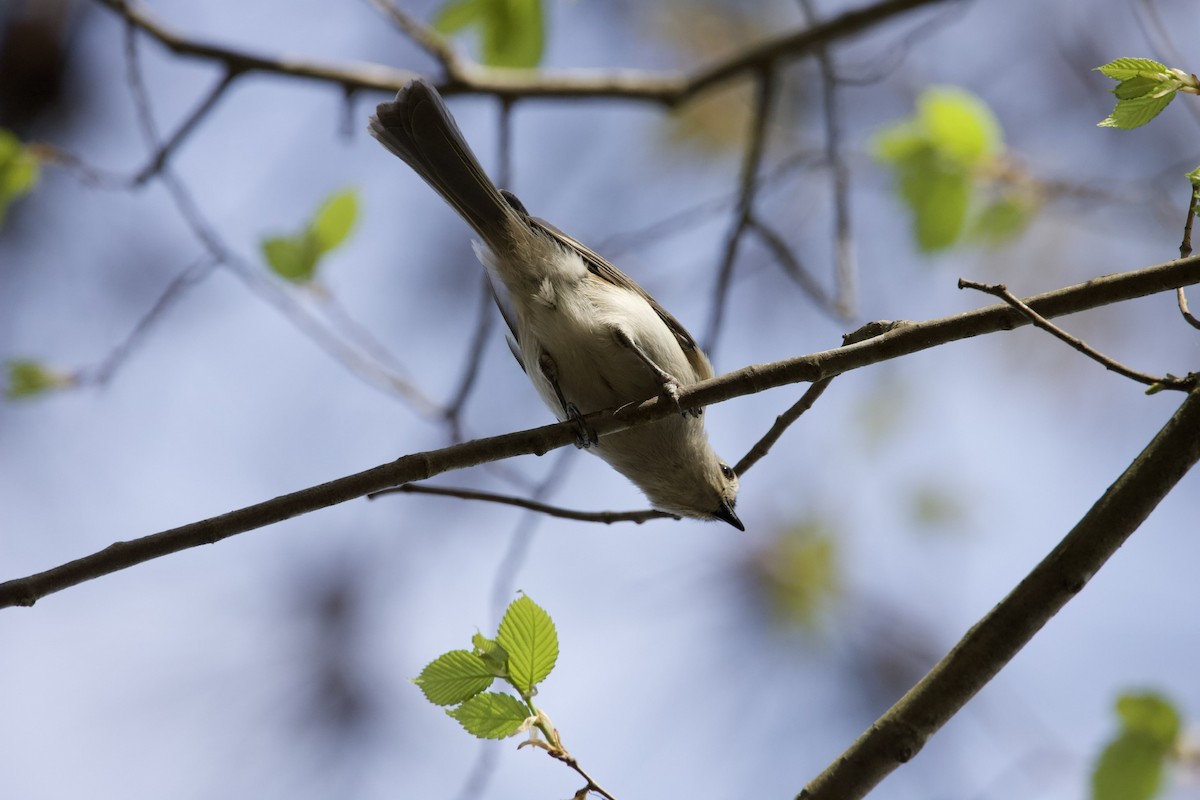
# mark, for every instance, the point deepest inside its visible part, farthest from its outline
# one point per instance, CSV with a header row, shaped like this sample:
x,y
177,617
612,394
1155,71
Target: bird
x,y
588,337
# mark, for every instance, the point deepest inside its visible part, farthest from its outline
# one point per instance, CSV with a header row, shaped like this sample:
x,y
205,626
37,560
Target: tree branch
x,y
902,731
669,89
900,340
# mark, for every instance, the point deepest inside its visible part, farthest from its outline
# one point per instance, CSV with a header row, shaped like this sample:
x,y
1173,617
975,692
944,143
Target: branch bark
x,y
902,340
902,731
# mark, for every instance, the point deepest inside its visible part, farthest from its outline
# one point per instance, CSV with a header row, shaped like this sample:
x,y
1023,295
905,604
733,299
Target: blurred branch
x,y
606,517
999,290
845,262
747,188
465,77
897,736
900,340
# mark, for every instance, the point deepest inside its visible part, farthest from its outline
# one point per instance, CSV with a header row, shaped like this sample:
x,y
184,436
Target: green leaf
x,y
1135,87
335,218
1151,714
293,258
959,125
28,378
1129,768
492,654
512,32
1194,177
453,17
1122,69
513,35
491,716
454,677
18,170
938,193
1137,111
527,634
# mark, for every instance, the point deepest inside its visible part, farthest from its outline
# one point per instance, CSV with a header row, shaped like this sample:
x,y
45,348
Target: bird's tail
x,y
418,128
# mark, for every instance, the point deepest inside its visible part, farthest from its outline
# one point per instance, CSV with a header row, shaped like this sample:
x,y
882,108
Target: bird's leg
x,y
585,437
668,382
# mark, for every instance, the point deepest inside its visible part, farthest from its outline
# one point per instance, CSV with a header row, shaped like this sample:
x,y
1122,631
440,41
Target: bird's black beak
x,y
725,513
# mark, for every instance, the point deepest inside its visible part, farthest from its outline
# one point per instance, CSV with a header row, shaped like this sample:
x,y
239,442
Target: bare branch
x,y
425,37
845,262
669,89
902,731
748,186
900,340
999,290
791,265
606,517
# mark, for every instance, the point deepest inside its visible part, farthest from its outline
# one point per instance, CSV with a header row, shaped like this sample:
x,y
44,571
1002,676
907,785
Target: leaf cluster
x,y
1144,88
522,655
297,256
945,158
1133,764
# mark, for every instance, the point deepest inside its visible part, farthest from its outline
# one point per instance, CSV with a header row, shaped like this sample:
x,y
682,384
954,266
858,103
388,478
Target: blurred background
x,y
695,661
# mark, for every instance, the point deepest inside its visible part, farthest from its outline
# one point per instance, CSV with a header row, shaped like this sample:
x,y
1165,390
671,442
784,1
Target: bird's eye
x,y
727,471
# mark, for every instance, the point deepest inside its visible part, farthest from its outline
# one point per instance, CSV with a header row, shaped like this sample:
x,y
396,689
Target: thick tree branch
x,y
899,341
900,733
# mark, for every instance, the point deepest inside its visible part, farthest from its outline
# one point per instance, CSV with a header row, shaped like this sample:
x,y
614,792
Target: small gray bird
x,y
588,337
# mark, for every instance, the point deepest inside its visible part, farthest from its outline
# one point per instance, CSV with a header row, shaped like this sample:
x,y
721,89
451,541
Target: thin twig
x,y
999,290
898,735
366,368
900,341
789,417
1185,246
845,261
485,316
165,150
1181,298
103,372
760,116
791,265
425,37
606,517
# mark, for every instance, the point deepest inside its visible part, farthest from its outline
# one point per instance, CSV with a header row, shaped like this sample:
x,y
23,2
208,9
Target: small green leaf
x,y
1129,768
512,32
293,258
513,36
1194,177
454,677
1122,69
18,170
491,715
453,17
335,218
1150,714
527,634
938,193
1137,112
492,654
28,378
1135,87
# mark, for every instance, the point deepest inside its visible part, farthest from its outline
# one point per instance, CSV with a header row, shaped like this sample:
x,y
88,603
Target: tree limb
x,y
902,731
900,340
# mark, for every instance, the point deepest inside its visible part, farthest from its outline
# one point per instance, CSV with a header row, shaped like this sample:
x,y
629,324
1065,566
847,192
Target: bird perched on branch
x,y
588,337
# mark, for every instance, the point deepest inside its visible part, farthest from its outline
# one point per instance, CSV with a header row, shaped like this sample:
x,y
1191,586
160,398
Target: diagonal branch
x,y
902,731
900,340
